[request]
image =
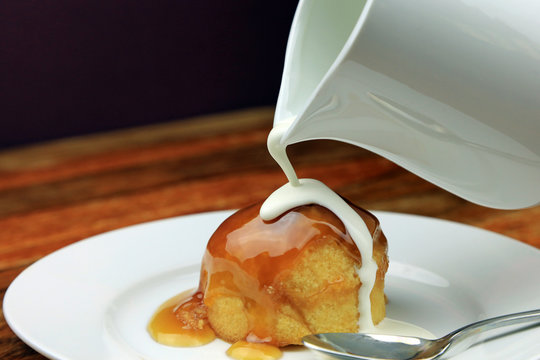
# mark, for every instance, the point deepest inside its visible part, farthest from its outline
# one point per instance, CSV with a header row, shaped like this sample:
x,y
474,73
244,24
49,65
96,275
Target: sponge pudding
x,y
277,281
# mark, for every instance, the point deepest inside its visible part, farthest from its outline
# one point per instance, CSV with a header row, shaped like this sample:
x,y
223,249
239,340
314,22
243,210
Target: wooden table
x,y
60,192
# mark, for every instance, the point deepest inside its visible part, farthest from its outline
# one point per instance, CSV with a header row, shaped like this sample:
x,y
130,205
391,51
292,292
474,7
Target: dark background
x,y
70,67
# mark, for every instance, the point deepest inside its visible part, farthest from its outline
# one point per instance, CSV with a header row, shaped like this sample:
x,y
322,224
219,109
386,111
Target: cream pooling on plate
x,y
299,192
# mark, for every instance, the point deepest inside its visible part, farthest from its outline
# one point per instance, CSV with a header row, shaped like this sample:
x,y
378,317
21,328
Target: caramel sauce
x,y
260,252
182,321
243,350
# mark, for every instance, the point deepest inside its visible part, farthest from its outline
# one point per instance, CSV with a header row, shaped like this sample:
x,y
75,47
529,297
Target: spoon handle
x,y
463,338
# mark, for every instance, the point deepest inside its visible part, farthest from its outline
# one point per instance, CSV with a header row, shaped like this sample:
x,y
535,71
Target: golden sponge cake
x,y
276,281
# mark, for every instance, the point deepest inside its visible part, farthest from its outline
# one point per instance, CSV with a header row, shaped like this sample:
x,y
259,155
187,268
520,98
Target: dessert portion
x,y
276,281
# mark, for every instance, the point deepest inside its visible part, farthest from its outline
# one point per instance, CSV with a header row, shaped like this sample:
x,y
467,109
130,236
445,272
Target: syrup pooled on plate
x,y
182,321
244,350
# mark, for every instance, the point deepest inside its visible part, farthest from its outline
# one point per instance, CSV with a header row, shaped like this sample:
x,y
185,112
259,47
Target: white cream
x,y
308,191
401,328
279,151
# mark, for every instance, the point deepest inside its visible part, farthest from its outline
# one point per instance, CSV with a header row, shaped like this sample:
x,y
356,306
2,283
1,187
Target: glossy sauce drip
x,y
247,258
182,321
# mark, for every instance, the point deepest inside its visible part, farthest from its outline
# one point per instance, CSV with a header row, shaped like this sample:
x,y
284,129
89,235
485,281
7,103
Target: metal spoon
x,y
378,347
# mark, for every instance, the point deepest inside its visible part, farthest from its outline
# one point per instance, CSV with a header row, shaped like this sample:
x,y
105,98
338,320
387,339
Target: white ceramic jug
x,y
448,89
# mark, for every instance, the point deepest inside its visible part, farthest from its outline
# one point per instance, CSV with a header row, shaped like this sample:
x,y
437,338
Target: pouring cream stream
x,y
299,192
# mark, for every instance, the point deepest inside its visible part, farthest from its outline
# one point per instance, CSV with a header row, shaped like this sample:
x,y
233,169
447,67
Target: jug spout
x,y
363,73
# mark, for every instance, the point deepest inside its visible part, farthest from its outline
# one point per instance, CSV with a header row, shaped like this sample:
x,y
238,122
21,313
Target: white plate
x,y
92,300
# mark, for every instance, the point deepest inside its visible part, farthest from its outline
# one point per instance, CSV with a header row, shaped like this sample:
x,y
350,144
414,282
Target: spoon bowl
x,y
373,346
386,347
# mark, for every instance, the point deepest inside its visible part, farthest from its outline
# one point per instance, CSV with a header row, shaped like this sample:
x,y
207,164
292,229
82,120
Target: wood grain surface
x,y
56,193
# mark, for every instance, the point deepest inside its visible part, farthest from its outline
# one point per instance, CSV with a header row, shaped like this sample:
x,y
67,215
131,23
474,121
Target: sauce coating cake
x,y
277,281
274,282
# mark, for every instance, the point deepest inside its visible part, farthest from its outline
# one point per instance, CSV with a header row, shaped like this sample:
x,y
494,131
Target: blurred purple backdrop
x,y
71,67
